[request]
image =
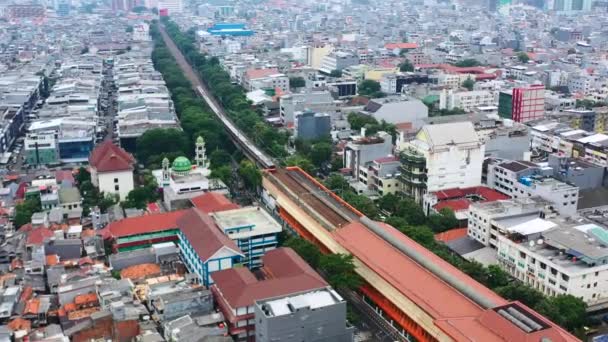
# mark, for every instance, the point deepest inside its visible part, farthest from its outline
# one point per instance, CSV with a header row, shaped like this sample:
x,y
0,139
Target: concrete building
x,y
442,156
379,177
481,214
312,316
194,301
522,104
337,60
204,248
309,125
112,169
525,179
236,290
577,171
397,111
41,149
316,101
556,257
253,230
466,100
172,6
392,83
362,150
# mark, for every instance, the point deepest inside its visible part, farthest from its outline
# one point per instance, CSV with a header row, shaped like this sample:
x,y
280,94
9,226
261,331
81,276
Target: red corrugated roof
x,y
392,46
260,73
203,234
108,157
143,224
37,236
451,234
61,175
456,199
211,202
289,274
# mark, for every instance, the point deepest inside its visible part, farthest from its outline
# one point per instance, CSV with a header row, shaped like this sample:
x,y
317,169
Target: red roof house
x,y
108,157
286,273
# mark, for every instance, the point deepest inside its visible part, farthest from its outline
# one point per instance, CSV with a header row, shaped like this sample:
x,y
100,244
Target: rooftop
x,y
312,300
245,222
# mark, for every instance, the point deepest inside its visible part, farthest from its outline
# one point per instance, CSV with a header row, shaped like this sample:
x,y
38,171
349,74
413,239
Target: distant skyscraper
x,y
571,5
62,7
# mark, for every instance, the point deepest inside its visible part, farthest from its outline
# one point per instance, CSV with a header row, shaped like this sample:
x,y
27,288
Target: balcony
x,y
412,157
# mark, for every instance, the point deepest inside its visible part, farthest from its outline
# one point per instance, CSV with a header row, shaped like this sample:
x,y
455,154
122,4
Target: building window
x,y
115,180
116,187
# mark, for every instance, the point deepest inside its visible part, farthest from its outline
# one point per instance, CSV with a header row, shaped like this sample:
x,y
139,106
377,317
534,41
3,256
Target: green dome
x,y
181,164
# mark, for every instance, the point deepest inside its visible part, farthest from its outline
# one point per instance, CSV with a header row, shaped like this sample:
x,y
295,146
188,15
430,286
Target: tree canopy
x,y
406,66
467,63
523,57
157,143
297,82
469,83
370,88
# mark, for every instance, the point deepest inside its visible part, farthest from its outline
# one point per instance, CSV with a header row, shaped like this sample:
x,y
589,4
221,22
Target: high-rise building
x,y
571,5
522,104
62,7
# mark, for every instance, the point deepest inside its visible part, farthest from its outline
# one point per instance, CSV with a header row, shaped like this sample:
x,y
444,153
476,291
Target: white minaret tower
x,y
200,153
166,172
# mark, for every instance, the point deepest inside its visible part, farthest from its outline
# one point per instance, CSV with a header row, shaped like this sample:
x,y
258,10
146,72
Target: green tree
x,y
219,158
139,197
297,82
521,292
469,83
340,271
25,210
223,172
335,73
467,63
337,183
301,162
129,29
362,203
406,66
496,277
306,250
321,153
523,57
411,212
82,176
159,141
250,174
566,310
358,120
368,87
388,202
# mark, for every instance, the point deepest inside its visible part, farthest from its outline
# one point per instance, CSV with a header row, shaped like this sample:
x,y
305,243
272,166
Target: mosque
x,y
181,180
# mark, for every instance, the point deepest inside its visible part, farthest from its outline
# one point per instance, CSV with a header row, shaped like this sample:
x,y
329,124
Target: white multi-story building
x,y
525,179
448,155
338,60
112,169
466,100
452,81
481,214
556,257
173,6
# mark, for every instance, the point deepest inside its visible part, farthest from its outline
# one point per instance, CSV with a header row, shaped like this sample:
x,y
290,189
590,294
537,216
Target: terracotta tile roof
x,y
140,271
52,259
20,324
61,175
79,314
451,234
26,294
31,307
88,233
459,199
153,208
392,46
203,234
289,274
108,157
84,299
211,202
143,224
39,235
261,73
